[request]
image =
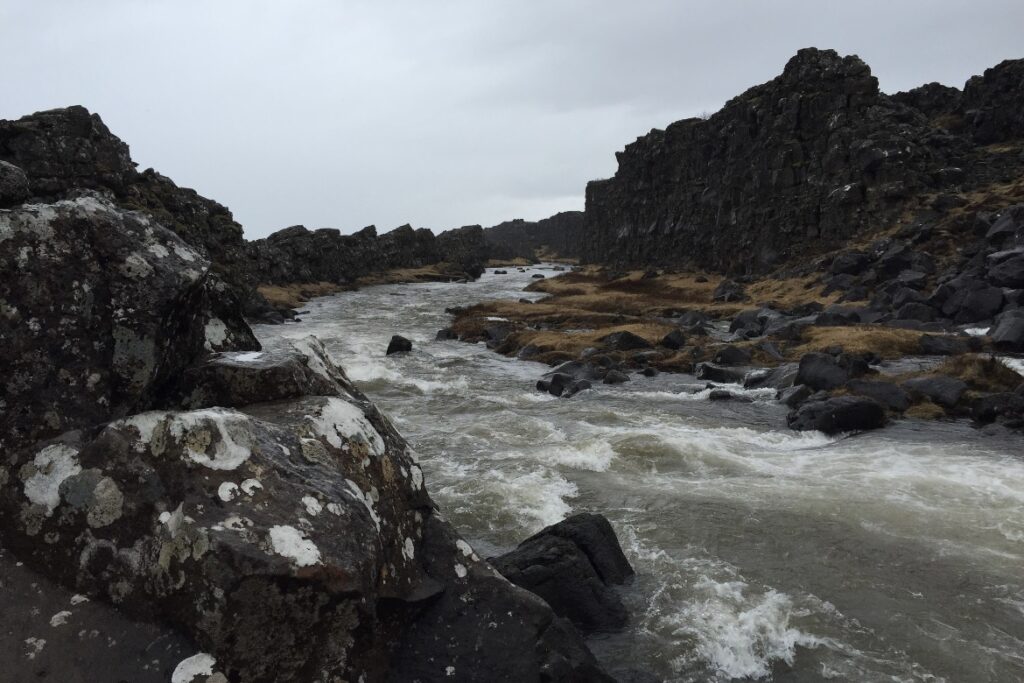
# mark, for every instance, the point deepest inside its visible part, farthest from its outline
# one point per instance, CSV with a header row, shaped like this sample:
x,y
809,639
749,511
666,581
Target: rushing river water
x,y
760,552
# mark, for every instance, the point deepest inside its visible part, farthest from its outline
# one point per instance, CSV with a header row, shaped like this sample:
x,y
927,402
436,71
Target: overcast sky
x,y
335,113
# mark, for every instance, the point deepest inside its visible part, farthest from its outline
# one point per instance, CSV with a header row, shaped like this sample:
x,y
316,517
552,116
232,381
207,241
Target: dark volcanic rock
x,y
572,566
839,414
1008,333
779,377
625,341
886,393
733,355
728,290
674,340
715,373
802,162
13,185
821,371
941,390
398,344
561,234
105,309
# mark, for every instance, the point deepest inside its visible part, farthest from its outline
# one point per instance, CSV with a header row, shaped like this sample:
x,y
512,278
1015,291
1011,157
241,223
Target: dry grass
x,y
294,295
925,410
575,341
980,373
887,342
432,273
508,263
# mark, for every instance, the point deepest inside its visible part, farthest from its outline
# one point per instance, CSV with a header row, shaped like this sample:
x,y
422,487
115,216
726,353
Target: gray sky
x,y
335,113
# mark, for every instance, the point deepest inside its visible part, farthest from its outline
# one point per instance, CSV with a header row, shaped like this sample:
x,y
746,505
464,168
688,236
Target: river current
x,y
760,553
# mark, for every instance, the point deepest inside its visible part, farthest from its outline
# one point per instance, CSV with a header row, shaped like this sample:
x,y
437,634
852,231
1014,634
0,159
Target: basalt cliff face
x,y
800,165
177,503
559,235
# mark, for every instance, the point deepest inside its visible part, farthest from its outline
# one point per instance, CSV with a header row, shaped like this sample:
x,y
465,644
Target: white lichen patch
x,y
35,646
225,450
184,253
106,505
158,250
339,421
417,477
312,505
216,333
288,541
408,549
78,599
467,550
246,357
60,618
227,491
334,509
250,486
173,520
460,570
44,474
200,664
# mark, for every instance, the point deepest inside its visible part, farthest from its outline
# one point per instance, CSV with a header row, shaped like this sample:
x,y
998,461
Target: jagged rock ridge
x,y
797,165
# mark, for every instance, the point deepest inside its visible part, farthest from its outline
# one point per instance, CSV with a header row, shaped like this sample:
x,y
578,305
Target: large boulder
x,y
939,389
838,414
398,344
1008,333
104,310
14,187
624,341
821,371
572,565
886,393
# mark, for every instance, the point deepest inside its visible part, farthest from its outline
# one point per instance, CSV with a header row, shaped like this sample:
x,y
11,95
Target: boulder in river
x,y
399,344
624,341
572,565
838,414
939,389
821,371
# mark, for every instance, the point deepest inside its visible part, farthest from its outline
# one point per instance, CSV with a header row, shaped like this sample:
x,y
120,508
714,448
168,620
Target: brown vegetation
x,y
294,295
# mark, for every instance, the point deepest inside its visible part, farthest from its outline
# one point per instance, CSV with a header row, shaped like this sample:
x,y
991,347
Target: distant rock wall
x,y
561,234
795,166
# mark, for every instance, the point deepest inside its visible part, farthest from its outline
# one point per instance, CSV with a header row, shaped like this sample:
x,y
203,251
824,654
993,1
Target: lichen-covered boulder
x,y
101,309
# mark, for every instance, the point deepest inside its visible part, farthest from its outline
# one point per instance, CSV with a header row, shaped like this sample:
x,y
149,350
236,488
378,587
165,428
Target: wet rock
x,y
722,375
1008,333
624,341
615,377
838,414
1006,268
779,377
446,334
732,355
795,395
572,565
14,187
537,276
940,389
500,272
398,344
1005,406
886,393
649,372
821,371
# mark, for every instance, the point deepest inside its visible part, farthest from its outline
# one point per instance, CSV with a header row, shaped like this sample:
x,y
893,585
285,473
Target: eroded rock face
x,y
794,166
561,234
101,309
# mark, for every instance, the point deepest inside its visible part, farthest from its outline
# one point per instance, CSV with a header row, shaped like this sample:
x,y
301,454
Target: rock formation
x,y
561,235
249,508
798,165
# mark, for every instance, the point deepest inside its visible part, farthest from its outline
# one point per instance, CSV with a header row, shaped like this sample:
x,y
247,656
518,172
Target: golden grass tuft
x,y
887,342
294,295
980,373
925,410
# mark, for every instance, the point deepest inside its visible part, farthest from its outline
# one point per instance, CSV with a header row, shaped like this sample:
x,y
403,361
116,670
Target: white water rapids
x,y
760,553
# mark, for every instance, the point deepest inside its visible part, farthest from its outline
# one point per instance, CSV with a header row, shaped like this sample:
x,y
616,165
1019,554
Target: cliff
x,y
798,166
559,235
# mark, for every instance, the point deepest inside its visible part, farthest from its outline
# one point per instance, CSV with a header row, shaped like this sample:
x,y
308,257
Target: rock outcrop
x,y
560,235
250,508
797,165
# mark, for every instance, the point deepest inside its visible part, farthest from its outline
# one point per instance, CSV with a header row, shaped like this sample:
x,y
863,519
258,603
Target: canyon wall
x,y
561,235
798,166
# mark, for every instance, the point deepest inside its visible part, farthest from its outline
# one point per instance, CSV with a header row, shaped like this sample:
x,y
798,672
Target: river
x,y
760,553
